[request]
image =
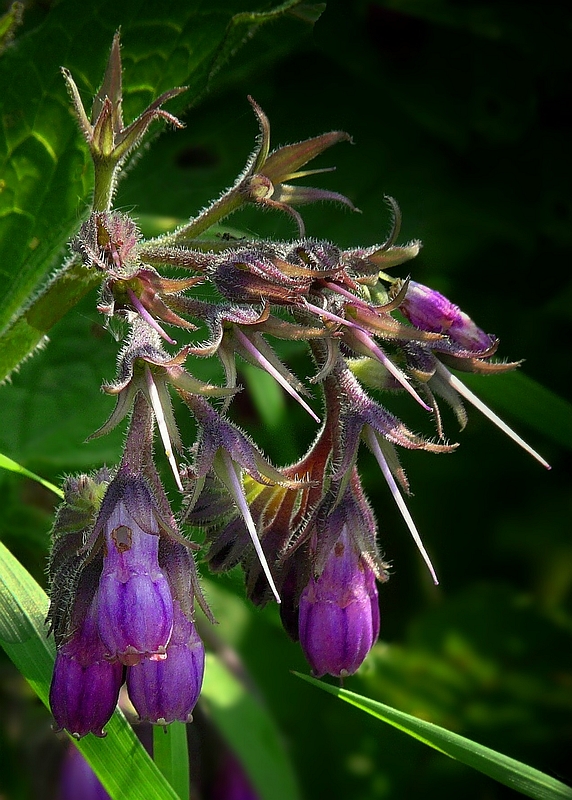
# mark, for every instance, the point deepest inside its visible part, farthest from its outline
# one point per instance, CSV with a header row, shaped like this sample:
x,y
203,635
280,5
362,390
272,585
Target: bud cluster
x,y
123,576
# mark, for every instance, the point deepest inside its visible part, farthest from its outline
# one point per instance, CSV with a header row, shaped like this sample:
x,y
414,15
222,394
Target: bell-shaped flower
x,y
85,683
135,606
429,310
339,614
166,690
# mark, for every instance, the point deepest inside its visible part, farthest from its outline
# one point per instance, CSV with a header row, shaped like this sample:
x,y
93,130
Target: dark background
x,y
461,111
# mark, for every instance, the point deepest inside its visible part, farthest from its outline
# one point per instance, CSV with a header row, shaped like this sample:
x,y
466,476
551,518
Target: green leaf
x,y
527,780
13,466
250,732
171,755
47,176
54,402
120,760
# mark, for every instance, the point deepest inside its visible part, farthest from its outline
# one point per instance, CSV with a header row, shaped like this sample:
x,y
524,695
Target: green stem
x,y
28,330
223,207
104,184
171,755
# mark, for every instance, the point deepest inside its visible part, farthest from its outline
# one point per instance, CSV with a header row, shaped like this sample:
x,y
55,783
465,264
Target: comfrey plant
x,y
123,578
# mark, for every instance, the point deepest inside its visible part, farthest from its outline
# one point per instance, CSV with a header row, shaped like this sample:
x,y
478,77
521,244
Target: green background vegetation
x,y
461,112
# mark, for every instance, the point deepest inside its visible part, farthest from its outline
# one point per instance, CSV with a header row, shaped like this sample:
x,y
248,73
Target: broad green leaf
x,y
13,466
120,761
250,732
54,402
527,780
46,174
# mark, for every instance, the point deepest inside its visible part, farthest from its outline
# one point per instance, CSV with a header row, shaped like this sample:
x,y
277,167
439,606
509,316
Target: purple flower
x,y
431,311
232,782
339,612
85,684
135,606
166,690
77,779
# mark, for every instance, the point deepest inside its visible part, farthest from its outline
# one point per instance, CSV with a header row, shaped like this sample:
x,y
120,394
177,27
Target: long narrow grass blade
x,y
13,466
171,756
527,780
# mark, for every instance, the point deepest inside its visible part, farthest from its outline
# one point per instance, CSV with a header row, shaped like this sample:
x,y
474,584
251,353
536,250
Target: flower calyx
x,y
110,142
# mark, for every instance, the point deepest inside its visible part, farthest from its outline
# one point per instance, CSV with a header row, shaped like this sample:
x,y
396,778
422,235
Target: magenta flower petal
x,y
85,685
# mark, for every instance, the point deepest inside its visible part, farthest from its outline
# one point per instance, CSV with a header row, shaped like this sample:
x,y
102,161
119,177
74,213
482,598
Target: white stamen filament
x,y
465,392
162,425
371,440
271,369
378,353
142,311
362,336
235,487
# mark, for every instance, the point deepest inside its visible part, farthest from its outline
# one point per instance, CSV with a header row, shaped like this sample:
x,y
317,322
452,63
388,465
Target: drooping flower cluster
x,y
123,591
123,576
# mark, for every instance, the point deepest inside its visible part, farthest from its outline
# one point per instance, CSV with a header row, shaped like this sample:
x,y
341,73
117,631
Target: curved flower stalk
x,y
263,182
339,619
123,578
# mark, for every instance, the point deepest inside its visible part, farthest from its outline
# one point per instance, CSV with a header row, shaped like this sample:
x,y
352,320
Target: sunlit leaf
x,y
13,466
47,176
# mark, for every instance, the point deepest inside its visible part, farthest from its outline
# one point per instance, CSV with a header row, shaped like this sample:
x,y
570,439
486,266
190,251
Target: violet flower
x,y
85,683
166,690
339,613
77,779
135,607
429,310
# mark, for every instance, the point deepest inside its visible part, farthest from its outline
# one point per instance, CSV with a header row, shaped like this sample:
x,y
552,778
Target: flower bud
x,y
85,684
135,605
166,690
431,311
339,612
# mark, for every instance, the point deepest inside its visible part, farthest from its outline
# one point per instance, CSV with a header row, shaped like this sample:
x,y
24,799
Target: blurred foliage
x,y
459,111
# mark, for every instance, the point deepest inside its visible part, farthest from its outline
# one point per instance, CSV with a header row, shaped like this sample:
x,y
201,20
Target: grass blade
x,y
120,761
13,466
527,780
